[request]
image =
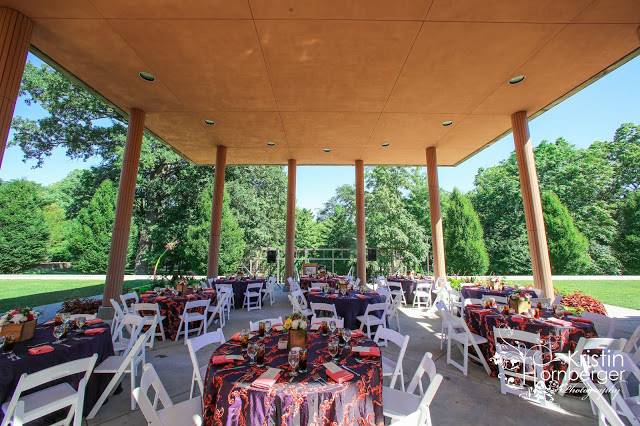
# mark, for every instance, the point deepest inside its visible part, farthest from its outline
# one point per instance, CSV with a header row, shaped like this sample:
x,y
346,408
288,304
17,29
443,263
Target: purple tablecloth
x,y
171,308
229,398
408,286
80,346
348,307
239,288
470,292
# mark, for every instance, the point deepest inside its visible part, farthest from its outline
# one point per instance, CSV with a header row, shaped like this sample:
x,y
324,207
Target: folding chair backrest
x,y
338,321
423,286
255,325
317,285
324,309
384,292
145,309
128,300
596,343
393,336
193,305
501,335
221,287
150,379
254,287
606,413
394,285
42,377
426,366
604,325
357,282
376,307
633,343
119,313
133,324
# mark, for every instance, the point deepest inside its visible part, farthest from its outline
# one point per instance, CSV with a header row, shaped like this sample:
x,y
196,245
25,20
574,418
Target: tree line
x,y
590,199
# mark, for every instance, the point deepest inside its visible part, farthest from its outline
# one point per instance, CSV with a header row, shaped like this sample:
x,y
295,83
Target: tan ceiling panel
x,y
53,8
328,129
577,53
611,11
395,156
314,155
172,9
475,130
334,65
262,155
548,11
91,51
340,9
410,130
454,66
210,65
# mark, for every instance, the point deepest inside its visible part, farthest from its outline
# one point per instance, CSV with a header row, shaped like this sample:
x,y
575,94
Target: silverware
x,y
233,368
39,344
319,379
350,370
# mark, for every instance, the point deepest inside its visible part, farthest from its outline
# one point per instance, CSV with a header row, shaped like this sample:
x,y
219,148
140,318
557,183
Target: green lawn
x,y
36,292
618,293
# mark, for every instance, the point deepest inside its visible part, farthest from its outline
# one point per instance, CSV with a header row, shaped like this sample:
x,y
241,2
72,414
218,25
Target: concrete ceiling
x,y
349,75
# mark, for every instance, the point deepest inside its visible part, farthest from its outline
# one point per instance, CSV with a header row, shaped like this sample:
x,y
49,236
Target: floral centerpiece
x,y
296,325
19,324
520,301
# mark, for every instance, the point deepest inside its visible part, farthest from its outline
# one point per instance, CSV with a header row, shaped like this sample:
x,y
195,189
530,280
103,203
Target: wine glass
x,y
333,347
294,359
2,340
346,335
80,322
252,351
332,326
58,332
267,327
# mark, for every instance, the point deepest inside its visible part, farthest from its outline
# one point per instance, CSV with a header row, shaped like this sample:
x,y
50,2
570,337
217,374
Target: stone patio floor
x,y
460,400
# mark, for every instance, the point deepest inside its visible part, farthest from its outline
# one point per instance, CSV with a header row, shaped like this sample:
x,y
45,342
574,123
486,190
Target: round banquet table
x,y
239,288
562,337
305,282
476,292
348,307
171,307
75,346
229,398
408,286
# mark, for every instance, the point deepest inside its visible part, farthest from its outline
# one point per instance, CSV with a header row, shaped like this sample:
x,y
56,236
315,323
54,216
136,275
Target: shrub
x,y
81,306
583,302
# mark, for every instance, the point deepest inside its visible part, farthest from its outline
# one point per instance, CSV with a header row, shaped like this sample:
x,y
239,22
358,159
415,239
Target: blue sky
x,y
592,114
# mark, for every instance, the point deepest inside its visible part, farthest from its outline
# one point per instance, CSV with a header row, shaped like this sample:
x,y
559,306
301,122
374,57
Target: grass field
x,y
618,293
37,292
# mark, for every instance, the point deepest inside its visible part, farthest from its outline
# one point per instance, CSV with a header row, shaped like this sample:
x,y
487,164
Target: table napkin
x,y
557,321
267,379
93,322
92,331
582,320
336,373
367,351
277,327
38,350
236,337
355,334
225,359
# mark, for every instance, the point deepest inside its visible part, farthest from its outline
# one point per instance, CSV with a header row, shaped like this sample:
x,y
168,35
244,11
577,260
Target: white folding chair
x,y
127,332
397,291
194,345
500,300
324,310
393,310
456,303
118,315
625,405
370,320
269,289
293,285
252,297
572,359
459,333
299,304
229,289
128,300
391,368
444,327
218,310
119,365
422,295
194,311
399,405
520,357
605,326
356,283
607,415
151,313
185,413
544,301
339,322
632,347
21,409
254,325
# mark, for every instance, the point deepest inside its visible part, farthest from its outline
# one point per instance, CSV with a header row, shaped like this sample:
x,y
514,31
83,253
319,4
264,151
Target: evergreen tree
x,y
24,234
465,251
91,237
628,241
196,243
568,247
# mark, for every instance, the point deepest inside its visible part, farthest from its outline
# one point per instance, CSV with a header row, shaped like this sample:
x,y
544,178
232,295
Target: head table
x,y
231,399
172,305
239,286
349,306
74,346
561,334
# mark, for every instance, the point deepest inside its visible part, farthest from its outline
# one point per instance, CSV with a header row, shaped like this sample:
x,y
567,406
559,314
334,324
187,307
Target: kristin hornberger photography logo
x,y
550,373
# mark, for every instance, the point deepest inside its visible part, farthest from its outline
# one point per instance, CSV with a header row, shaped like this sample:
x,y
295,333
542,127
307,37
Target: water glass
x,y
294,359
267,326
260,354
333,347
252,351
80,322
332,326
346,335
302,364
58,332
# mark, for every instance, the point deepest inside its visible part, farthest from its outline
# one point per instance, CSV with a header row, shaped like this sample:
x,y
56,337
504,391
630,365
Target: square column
x,y
437,239
532,204
15,35
361,238
290,241
216,212
124,208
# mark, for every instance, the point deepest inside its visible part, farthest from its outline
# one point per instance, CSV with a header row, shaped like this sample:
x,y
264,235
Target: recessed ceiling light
x,y
517,79
385,144
271,143
209,122
147,76
326,149
447,123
